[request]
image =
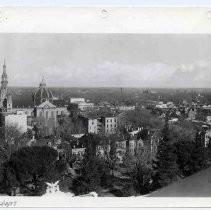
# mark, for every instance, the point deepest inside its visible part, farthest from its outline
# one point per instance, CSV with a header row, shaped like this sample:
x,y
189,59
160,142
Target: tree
x,y
143,118
93,172
12,139
185,152
143,134
165,165
112,156
139,169
30,167
183,131
200,153
74,110
94,168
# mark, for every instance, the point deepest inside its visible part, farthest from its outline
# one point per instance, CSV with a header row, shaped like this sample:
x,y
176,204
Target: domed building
x,y
46,109
42,94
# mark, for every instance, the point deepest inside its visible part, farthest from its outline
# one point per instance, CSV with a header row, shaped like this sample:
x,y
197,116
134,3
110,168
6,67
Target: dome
x,y
42,94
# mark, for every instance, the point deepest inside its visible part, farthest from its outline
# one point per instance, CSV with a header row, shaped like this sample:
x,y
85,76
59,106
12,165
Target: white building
x,y
209,120
126,108
77,100
92,125
84,106
17,120
207,138
110,124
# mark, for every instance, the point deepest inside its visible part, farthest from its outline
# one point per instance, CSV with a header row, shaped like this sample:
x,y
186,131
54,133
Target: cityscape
x,y
102,141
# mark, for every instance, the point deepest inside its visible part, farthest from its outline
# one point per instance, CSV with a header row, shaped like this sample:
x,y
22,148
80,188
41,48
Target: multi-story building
x,y
18,120
89,124
109,125
92,125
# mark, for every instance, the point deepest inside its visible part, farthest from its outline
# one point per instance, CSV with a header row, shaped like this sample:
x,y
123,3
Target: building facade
x,y
109,125
18,120
92,125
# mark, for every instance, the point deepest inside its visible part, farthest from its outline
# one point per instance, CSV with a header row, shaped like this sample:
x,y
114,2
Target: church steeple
x,y
5,103
4,81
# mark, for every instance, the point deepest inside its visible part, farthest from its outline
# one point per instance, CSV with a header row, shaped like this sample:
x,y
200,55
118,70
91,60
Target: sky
x,y
107,60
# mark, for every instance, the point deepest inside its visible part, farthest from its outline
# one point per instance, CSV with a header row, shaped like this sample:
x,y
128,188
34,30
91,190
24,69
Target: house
x,y
192,114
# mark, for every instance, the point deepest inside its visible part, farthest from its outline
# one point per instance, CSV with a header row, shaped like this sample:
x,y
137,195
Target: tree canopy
x,y
30,167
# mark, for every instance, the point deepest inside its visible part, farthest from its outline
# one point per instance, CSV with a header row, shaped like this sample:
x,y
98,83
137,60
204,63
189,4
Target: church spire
x,y
3,90
4,81
4,67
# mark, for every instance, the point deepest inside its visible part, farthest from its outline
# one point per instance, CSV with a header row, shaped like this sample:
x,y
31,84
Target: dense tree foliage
x,y
183,131
94,168
143,118
192,156
139,168
165,165
30,167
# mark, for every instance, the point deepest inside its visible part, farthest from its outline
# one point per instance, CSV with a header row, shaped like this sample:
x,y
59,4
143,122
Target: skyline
x,y
111,60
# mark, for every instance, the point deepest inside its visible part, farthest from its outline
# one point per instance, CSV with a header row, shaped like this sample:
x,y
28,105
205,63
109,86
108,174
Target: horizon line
x,y
112,87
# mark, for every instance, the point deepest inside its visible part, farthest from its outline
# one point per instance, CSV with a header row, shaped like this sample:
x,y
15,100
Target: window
x,y
107,125
111,120
46,114
107,120
52,114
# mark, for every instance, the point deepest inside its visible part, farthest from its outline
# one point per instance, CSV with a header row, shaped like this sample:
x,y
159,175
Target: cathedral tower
x,y
4,96
4,81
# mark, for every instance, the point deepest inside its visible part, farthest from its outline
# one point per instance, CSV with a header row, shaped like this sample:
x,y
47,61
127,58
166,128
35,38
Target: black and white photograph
x,y
105,115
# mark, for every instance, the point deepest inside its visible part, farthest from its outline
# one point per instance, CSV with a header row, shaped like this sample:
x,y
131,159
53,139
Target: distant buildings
x,y
126,108
82,104
77,100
